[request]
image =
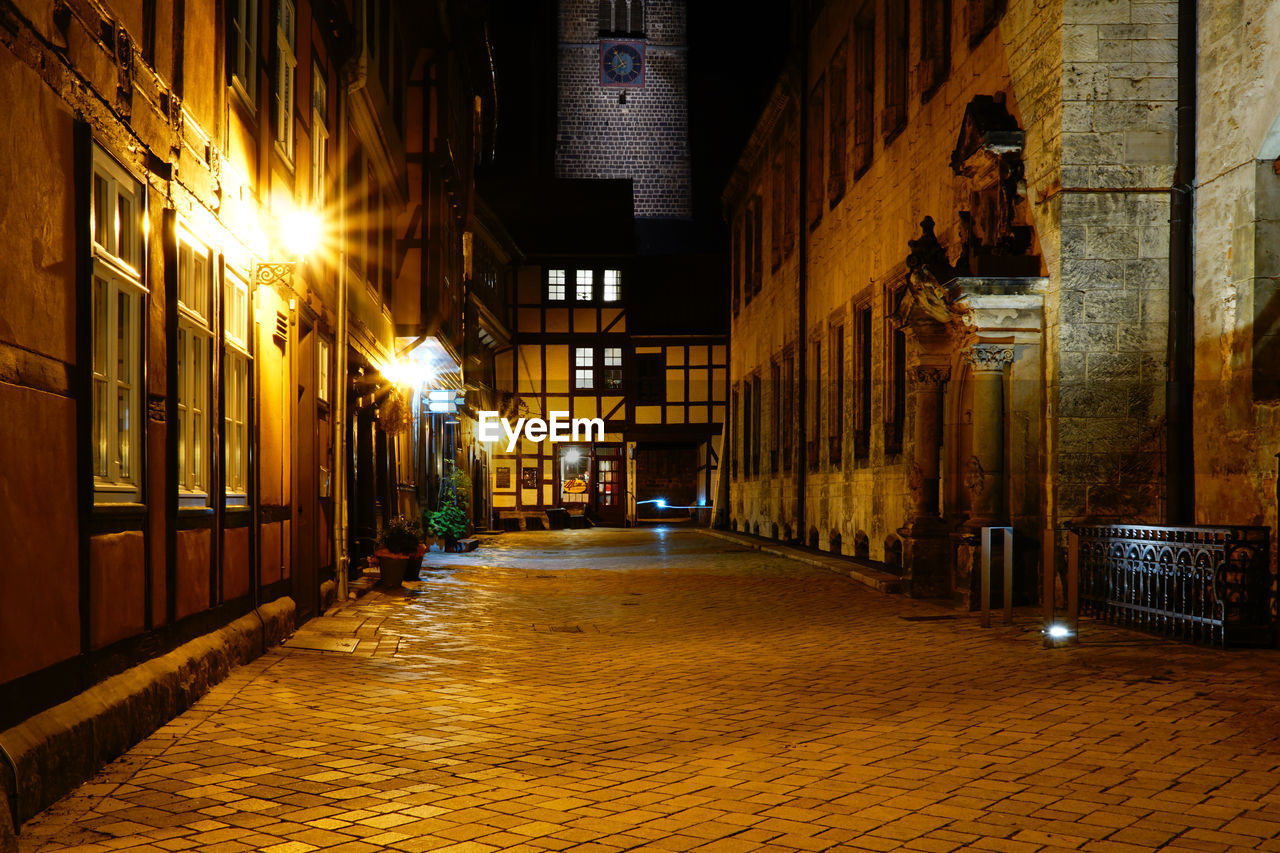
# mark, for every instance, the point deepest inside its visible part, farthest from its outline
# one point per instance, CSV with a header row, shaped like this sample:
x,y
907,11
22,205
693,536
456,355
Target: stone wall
x,y
647,138
1093,87
1237,263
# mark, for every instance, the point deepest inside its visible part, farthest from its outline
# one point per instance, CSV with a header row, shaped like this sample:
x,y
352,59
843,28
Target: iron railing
x,y
1202,584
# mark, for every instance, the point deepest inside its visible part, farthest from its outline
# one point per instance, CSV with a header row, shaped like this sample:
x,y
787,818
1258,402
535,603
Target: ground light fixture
x,y
1057,634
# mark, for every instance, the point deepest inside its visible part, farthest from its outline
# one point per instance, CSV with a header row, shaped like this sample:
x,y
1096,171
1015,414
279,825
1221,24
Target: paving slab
x,y
714,697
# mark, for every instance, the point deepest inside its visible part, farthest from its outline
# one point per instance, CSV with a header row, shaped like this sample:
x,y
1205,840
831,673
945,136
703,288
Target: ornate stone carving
x,y
155,409
990,357
124,69
927,299
929,374
974,477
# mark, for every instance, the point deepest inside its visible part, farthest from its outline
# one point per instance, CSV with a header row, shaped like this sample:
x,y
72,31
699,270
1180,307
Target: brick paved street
x,y
616,690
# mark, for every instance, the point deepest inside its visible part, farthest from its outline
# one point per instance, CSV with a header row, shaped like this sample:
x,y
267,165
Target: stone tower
x,y
623,99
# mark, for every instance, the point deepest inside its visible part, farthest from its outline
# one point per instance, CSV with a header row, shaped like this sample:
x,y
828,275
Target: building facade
x,y
951,283
595,336
241,223
623,100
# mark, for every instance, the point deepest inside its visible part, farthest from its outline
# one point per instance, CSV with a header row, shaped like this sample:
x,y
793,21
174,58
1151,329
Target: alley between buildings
x,y
663,689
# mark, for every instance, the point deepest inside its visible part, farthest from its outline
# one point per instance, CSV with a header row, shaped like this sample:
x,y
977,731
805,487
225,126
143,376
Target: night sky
x,y
734,60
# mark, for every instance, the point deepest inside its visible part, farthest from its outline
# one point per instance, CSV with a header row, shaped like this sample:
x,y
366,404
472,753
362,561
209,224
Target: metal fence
x,y
1202,584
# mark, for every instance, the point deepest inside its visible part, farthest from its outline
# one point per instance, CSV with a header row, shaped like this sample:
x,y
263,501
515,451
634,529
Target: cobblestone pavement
x,y
617,690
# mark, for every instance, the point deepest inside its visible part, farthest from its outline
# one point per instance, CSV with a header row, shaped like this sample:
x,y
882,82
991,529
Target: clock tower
x,y
623,100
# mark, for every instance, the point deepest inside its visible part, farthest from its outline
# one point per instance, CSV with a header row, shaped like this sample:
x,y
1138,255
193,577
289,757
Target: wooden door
x,y
610,484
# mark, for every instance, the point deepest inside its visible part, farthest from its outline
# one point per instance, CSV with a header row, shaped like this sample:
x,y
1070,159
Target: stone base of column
x,y
927,558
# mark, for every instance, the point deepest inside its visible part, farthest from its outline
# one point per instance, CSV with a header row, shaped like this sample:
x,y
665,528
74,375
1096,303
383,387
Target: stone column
x,y
984,474
928,381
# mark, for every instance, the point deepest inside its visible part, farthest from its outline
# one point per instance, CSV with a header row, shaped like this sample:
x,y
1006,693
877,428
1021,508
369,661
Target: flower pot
x,y
396,567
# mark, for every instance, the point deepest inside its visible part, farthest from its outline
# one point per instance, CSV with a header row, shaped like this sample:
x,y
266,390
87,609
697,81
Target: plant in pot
x,y
448,523
400,548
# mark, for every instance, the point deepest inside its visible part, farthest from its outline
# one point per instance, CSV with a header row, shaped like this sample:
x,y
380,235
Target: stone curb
x,y
58,749
873,578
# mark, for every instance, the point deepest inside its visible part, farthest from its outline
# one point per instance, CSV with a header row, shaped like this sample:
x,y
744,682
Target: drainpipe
x,y
802,346
1180,463
338,494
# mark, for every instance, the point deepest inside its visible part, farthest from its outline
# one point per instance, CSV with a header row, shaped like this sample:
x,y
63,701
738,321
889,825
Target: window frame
x,y
584,282
237,351
584,369
118,466
285,78
613,377
242,65
195,349
551,285
319,136
611,291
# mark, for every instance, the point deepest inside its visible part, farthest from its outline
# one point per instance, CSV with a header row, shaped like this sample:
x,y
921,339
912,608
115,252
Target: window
x,y
322,370
585,290
816,136
651,375
733,443
584,368
235,368
835,412
935,45
776,415
612,285
118,299
788,409
748,426
242,41
622,17
815,404
748,250
194,361
319,135
286,70
896,356
864,87
555,285
895,71
837,124
793,188
612,367
757,240
777,204
735,262
862,395
755,424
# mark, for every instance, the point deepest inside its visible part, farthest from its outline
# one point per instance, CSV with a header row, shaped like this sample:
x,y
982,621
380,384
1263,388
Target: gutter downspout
x,y
341,554
802,345
1180,448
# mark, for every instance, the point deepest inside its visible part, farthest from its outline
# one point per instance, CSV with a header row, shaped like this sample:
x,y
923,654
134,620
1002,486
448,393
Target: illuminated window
x,y
236,361
286,73
195,348
118,301
586,286
555,285
612,285
612,366
584,368
322,363
242,41
319,135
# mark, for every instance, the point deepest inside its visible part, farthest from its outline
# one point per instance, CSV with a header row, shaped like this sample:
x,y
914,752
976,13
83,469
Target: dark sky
x,y
735,52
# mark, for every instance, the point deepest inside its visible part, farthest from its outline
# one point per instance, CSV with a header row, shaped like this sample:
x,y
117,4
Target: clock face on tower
x,y
622,63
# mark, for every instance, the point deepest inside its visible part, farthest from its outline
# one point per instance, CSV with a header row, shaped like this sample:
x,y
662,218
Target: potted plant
x,y
448,523
400,545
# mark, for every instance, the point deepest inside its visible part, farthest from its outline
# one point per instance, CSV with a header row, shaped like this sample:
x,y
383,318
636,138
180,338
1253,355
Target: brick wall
x,y
646,139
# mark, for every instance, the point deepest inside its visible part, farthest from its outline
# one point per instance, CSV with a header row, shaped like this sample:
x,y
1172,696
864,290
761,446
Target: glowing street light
x,y
300,231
